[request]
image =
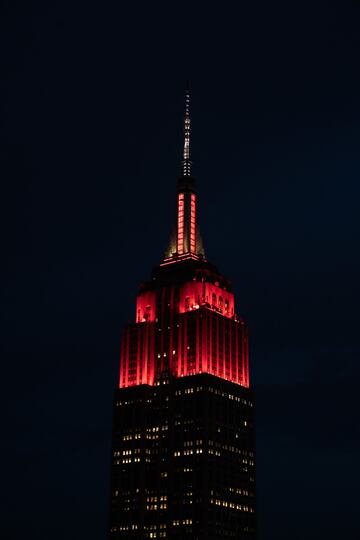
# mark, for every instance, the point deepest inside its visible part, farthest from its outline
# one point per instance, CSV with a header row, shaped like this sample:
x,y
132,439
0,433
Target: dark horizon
x,y
91,133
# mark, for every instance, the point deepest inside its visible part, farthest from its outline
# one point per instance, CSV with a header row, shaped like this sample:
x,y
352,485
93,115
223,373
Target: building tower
x,y
183,441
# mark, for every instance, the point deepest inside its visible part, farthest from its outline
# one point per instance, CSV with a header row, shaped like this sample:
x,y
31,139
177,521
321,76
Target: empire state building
x,y
183,463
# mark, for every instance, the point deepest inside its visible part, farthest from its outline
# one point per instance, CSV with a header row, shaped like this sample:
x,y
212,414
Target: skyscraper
x,y
183,441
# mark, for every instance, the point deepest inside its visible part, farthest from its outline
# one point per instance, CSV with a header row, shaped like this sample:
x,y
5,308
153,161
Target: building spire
x,y
186,163
185,241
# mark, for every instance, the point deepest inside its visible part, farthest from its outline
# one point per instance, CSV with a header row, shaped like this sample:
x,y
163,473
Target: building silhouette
x,y
183,440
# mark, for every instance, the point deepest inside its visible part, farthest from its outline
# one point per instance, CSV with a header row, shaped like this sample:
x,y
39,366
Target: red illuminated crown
x,y
185,315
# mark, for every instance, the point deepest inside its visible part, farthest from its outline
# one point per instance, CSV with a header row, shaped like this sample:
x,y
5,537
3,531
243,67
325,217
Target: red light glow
x,y
196,293
137,355
145,307
196,331
193,223
180,225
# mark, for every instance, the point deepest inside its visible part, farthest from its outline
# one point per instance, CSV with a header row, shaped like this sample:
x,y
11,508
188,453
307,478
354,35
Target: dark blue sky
x,y
91,107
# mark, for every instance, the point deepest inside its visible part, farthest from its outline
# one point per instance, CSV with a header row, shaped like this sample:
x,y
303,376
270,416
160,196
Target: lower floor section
x,y
183,463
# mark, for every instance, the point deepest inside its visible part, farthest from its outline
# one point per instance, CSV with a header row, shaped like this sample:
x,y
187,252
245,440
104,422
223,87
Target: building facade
x,y
183,463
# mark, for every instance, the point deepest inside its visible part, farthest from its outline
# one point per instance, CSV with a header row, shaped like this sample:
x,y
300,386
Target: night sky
x,y
91,105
